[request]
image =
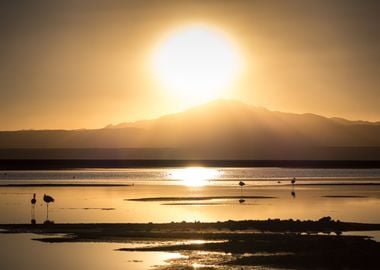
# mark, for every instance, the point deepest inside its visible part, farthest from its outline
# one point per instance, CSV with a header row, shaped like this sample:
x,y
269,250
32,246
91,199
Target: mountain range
x,y
221,129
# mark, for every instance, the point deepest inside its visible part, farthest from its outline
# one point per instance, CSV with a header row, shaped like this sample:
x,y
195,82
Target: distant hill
x,y
221,129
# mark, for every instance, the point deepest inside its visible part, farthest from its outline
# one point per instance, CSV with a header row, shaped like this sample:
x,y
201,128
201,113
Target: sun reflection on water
x,y
194,176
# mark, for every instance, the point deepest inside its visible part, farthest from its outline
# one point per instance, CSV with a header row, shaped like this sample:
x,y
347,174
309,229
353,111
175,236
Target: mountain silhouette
x,y
221,129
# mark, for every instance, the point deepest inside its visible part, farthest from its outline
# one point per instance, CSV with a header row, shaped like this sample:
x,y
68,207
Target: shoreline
x,y
323,225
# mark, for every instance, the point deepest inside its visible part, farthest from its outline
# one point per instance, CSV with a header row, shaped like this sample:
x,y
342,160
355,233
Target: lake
x,y
171,194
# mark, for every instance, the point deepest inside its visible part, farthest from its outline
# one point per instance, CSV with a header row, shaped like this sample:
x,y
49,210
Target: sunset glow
x,y
194,176
196,63
163,135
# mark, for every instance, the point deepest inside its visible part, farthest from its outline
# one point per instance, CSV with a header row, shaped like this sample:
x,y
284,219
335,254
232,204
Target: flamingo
x,y
293,181
48,199
33,201
241,184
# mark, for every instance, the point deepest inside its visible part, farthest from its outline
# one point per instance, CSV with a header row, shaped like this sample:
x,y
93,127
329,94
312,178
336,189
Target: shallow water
x,y
310,198
180,175
344,194
22,253
86,204
374,235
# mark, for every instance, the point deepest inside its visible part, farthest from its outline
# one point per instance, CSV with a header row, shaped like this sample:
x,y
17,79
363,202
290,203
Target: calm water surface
x,y
168,175
345,194
317,193
22,253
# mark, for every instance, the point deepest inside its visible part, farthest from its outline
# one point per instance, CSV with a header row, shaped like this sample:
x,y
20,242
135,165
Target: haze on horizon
x,y
85,64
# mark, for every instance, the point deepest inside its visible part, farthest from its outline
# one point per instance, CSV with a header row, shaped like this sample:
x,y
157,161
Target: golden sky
x,y
85,64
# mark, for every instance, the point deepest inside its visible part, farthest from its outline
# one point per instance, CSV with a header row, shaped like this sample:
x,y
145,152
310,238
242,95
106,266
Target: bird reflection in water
x,y
241,200
48,222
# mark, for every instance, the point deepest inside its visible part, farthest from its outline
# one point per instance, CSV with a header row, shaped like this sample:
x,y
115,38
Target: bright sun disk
x,y
196,63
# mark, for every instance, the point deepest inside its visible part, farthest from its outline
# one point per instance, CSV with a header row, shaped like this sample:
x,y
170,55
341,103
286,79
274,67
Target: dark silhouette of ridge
x,y
218,130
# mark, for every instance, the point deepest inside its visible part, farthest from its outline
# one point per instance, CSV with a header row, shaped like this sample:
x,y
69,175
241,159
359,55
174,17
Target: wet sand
x,y
204,198
92,231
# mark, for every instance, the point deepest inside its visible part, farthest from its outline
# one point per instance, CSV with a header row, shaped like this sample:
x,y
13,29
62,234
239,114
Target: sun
x,y
196,63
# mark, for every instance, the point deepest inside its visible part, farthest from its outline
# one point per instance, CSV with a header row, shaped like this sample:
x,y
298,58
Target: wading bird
x,y
293,192
48,199
293,181
33,201
241,184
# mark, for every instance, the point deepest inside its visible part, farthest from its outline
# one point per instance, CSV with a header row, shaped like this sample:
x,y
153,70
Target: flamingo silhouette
x,y
241,184
33,201
48,199
293,181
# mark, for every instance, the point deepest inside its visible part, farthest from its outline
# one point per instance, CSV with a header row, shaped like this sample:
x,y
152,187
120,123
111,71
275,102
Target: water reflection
x,y
18,251
348,203
48,222
194,176
241,201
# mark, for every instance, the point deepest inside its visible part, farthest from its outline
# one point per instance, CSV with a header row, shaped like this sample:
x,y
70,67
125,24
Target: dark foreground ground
x,y
271,243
